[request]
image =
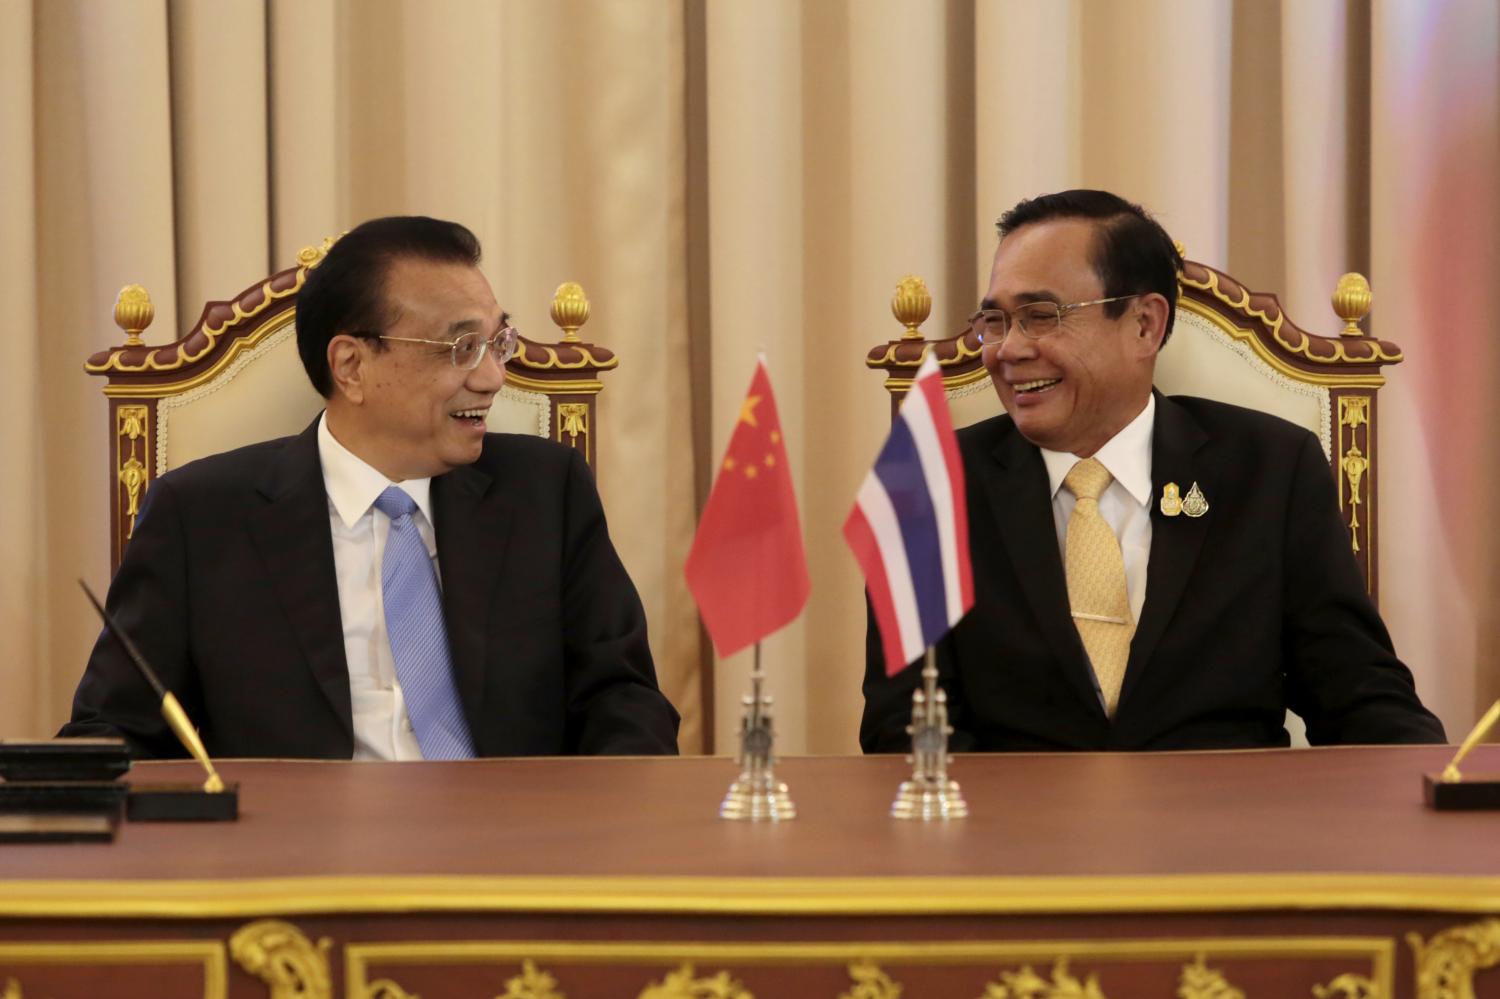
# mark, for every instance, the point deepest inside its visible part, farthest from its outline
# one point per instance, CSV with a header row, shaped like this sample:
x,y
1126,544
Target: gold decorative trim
x,y
870,982
1446,964
573,420
211,334
1348,987
207,954
1280,364
681,984
279,954
963,353
553,362
1027,984
1199,981
160,390
863,958
531,983
131,423
249,897
12,990
1242,305
577,387
1354,412
950,382
386,989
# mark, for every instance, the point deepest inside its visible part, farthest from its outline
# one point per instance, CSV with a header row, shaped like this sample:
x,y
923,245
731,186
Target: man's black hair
x,y
345,293
1132,252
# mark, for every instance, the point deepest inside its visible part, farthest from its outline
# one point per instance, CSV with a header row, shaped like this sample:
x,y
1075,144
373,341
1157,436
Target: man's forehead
x,y
1055,255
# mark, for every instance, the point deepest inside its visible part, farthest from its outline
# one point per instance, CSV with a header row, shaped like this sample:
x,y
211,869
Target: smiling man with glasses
x,y
396,582
1149,572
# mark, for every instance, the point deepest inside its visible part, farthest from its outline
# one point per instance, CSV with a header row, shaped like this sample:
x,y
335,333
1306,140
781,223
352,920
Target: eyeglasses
x,y
1036,319
469,349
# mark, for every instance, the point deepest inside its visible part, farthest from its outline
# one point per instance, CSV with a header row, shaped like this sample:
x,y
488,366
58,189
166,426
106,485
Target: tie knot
x,y
395,503
1087,479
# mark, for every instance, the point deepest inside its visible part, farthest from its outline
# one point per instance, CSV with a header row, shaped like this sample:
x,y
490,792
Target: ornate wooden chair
x,y
1229,344
236,378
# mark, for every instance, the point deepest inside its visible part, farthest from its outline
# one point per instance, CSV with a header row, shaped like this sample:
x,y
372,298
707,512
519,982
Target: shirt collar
x,y
353,486
1127,456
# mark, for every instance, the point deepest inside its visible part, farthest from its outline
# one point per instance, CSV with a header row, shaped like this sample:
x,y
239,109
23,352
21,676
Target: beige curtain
x,y
732,177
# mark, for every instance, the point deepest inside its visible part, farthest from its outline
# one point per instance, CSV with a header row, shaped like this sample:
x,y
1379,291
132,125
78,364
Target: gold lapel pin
x,y
1171,500
1195,504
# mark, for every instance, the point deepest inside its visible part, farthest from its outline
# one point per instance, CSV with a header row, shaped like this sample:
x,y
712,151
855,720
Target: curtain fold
x,y
725,178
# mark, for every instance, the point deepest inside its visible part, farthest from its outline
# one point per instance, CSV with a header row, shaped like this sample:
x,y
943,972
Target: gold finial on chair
x,y
911,305
133,313
1351,300
570,310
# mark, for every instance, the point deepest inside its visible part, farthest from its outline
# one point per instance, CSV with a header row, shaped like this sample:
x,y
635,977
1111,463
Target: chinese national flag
x,y
747,569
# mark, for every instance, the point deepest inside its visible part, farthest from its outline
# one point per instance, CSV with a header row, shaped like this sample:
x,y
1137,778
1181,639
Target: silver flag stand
x,y
756,795
929,795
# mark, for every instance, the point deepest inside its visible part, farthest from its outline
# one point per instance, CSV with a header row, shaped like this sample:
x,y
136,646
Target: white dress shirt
x,y
382,730
1125,505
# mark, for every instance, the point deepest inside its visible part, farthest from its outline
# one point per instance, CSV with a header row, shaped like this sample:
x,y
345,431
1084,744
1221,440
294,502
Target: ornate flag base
x,y
929,796
929,801
757,796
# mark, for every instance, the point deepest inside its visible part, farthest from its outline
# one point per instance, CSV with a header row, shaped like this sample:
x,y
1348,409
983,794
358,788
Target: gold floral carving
x,y
130,425
1199,981
1347,987
278,954
1446,964
531,984
870,982
386,989
681,984
573,420
1027,984
911,305
1354,412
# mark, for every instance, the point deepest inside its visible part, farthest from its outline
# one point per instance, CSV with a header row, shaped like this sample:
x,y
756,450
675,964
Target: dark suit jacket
x,y
1253,608
228,587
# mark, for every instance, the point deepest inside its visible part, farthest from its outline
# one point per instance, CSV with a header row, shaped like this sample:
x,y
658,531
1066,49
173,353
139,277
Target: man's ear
x,y
346,367
1150,320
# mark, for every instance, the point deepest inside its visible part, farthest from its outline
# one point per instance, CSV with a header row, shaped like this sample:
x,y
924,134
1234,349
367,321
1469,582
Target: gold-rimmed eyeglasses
x,y
469,349
1036,319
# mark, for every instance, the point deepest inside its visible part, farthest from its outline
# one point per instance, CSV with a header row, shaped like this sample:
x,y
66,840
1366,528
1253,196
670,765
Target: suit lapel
x,y
1020,499
292,535
473,519
1175,541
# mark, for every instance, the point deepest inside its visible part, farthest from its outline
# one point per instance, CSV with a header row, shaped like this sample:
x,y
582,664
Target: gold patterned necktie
x,y
1096,581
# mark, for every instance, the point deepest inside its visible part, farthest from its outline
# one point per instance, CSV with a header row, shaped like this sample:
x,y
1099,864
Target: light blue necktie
x,y
419,640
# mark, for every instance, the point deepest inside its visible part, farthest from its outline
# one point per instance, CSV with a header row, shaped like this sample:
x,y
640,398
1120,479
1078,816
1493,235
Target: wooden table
x,y
1185,875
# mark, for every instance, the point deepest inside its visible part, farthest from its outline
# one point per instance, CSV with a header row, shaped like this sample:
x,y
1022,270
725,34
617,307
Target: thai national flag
x,y
909,528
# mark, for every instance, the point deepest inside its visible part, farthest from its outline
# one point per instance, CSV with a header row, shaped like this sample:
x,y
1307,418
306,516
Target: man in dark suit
x,y
394,582
1149,572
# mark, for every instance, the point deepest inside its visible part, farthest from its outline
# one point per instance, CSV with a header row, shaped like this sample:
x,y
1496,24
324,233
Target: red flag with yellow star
x,y
747,569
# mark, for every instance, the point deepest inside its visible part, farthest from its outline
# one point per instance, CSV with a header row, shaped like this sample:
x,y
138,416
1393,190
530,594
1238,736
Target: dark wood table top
x,y
1263,829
